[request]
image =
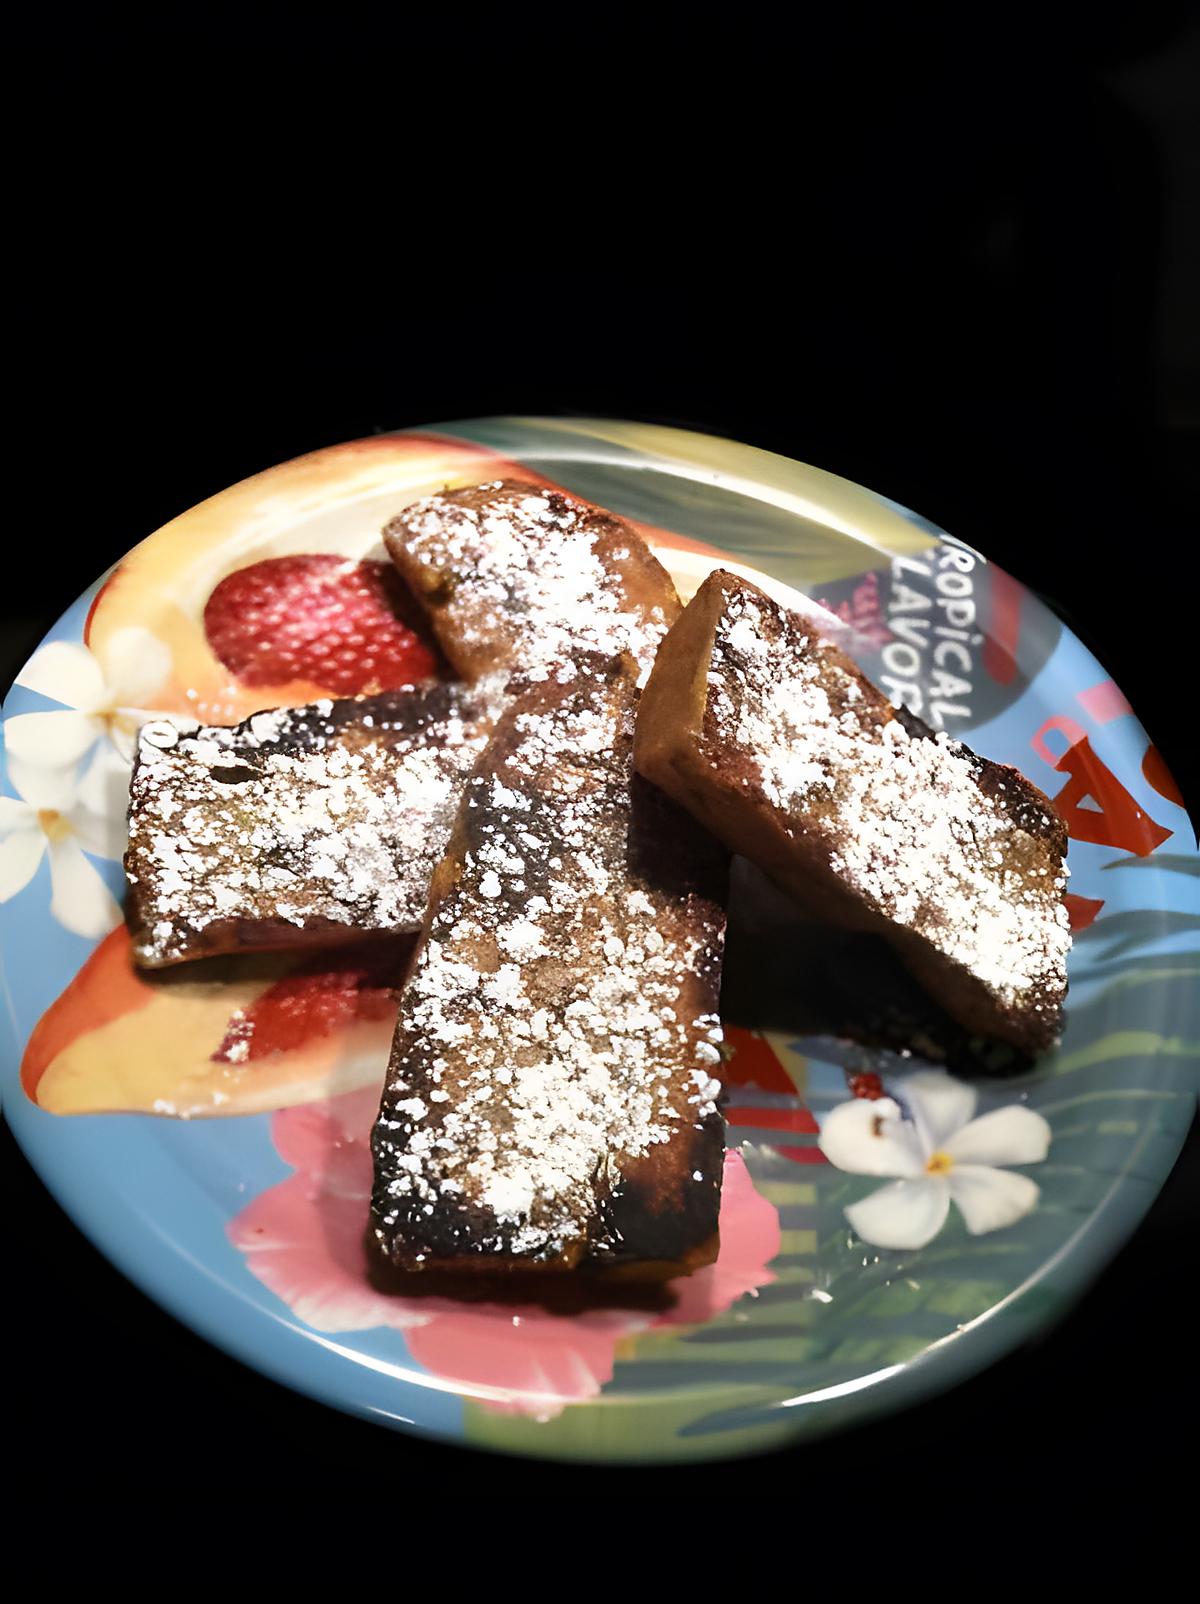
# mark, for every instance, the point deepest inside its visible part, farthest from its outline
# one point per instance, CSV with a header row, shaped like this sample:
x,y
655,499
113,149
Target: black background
x,y
949,252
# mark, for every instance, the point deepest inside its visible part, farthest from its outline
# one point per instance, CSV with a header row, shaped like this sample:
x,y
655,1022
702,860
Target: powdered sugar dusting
x,y
913,832
547,1002
331,814
533,576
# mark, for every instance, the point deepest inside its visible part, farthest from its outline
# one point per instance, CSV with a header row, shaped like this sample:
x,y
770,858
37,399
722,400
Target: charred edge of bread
x,y
654,1220
386,719
679,748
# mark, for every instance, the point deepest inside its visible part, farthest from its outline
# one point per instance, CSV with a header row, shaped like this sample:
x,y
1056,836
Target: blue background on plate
x,y
156,1195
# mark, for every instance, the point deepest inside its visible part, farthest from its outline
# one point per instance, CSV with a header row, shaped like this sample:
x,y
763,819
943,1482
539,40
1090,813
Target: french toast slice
x,y
297,827
551,1100
519,578
772,737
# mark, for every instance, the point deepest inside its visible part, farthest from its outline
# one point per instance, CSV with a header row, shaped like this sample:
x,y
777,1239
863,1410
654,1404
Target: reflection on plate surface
x,y
240,1207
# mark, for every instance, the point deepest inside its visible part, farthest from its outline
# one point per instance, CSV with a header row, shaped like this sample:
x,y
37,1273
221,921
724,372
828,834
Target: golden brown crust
x,y
722,728
550,1098
518,578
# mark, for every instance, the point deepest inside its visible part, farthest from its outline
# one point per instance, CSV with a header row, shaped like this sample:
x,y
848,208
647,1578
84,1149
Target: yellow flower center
x,y
55,824
939,1163
117,718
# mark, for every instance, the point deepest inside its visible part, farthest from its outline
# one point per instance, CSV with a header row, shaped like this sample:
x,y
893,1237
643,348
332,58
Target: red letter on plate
x,y
1117,820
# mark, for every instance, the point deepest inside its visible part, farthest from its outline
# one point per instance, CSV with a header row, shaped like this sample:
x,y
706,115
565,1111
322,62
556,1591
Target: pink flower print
x,y
304,1240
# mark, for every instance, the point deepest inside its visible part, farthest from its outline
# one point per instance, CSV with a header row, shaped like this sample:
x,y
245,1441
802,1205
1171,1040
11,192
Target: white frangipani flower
x,y
58,815
100,696
940,1155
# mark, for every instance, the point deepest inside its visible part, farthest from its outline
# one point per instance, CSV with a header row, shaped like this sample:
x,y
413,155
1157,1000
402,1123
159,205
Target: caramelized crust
x,y
297,827
551,1101
518,578
772,737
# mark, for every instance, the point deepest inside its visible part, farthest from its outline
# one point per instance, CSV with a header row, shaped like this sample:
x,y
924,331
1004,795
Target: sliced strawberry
x,y
323,996
351,627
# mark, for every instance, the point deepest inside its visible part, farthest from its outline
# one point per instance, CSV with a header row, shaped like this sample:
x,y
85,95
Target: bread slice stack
x,y
558,825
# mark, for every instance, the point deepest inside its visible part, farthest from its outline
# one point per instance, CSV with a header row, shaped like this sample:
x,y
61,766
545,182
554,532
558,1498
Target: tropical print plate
x,y
891,1221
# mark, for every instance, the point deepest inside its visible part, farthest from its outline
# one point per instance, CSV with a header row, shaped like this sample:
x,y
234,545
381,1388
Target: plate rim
x,y
120,1234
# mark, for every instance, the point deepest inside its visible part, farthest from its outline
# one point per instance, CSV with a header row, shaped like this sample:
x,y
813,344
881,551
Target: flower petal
x,y
535,1364
988,1199
939,1105
43,787
123,730
81,902
870,1138
749,1241
906,1214
15,815
137,664
67,673
331,1138
98,814
307,1247
1012,1135
51,740
20,853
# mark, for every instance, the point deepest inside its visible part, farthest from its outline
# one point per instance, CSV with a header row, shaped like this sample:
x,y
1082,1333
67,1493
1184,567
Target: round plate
x,y
245,1220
